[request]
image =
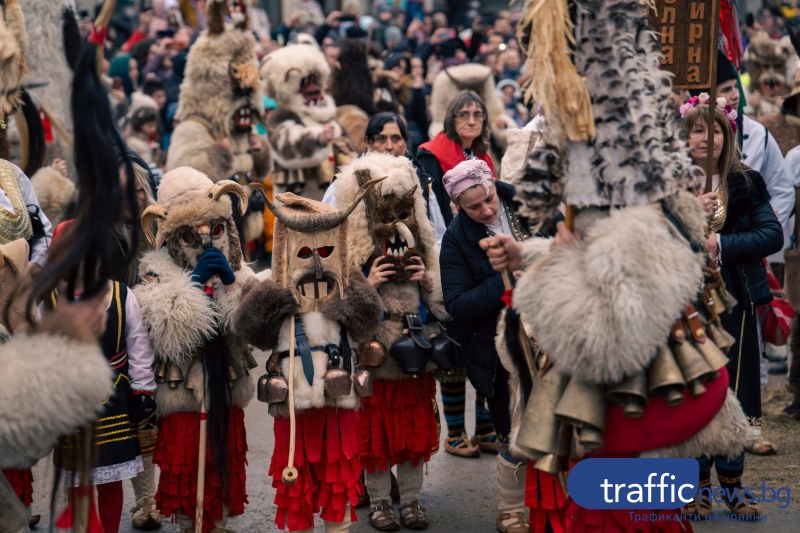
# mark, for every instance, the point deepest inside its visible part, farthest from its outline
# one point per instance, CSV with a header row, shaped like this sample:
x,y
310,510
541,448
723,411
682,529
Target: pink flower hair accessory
x,y
722,104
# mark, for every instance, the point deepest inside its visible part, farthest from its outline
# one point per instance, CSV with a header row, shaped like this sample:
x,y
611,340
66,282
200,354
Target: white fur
x,y
601,307
289,133
320,331
179,316
725,435
49,386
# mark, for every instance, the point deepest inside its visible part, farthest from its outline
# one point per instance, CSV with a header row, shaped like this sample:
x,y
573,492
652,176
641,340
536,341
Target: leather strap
x,y
413,324
303,349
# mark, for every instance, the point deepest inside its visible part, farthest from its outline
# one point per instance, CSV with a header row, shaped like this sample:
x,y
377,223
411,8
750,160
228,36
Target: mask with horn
x,y
194,214
309,251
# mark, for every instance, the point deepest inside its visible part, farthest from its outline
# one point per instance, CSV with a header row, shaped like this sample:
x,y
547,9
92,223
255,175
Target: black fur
x,y
36,145
73,43
511,338
360,311
263,308
219,406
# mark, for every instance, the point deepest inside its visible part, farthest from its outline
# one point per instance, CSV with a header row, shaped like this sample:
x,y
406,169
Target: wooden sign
x,y
687,32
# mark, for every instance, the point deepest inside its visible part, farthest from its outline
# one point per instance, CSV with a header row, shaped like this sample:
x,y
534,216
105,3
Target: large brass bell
x,y
362,382
174,376
553,463
631,394
371,353
272,388
721,338
693,366
549,463
715,358
539,430
338,383
582,405
665,378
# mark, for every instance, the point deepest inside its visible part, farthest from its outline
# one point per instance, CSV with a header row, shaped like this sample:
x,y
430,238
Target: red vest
x,y
449,153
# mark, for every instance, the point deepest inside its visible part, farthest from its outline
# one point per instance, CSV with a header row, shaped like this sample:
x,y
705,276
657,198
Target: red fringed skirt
x,y
176,455
545,497
329,472
21,480
621,521
397,423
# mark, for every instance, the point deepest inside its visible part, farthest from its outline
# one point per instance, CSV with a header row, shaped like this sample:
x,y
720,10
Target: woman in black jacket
x,y
744,230
473,294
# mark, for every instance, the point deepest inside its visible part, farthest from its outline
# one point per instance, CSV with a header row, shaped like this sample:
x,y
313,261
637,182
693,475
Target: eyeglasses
x,y
476,115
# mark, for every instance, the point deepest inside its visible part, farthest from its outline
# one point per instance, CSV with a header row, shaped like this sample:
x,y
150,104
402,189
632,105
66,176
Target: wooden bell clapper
x,y
289,474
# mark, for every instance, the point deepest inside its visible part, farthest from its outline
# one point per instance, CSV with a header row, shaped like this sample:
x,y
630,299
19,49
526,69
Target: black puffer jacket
x,y
751,232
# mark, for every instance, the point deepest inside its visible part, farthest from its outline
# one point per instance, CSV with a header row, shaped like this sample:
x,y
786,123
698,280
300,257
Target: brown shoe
x,y
461,446
33,521
487,443
383,518
413,516
512,523
743,507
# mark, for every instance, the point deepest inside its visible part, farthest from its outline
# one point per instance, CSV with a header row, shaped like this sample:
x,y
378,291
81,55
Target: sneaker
x,y
461,446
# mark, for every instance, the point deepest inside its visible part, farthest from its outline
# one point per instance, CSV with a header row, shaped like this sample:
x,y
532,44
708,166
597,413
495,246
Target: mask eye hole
x,y
188,237
305,252
325,251
217,230
404,215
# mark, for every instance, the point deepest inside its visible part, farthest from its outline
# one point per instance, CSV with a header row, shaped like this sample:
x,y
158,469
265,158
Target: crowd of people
x,y
355,194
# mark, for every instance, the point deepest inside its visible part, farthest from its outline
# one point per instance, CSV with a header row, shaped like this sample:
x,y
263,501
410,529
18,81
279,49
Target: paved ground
x,y
460,494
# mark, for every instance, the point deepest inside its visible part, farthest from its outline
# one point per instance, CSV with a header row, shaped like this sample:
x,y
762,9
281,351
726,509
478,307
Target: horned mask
x,y
195,214
310,248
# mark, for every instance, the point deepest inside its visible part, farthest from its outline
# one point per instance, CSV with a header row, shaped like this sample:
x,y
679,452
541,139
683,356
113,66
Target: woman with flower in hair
x,y
743,231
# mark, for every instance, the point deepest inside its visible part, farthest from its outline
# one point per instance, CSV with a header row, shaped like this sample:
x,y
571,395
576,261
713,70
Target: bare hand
x,y
327,134
419,273
83,321
503,252
564,237
380,272
710,203
711,246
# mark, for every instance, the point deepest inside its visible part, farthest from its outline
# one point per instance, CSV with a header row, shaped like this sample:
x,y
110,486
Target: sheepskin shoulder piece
x,y
54,192
726,435
601,307
49,385
229,298
178,315
262,310
194,146
401,178
294,139
360,311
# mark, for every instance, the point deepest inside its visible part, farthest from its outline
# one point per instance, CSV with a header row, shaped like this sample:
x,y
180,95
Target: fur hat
x,y
453,80
187,196
13,63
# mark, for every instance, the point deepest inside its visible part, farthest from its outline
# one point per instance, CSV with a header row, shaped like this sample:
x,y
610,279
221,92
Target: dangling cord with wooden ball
x,y
289,474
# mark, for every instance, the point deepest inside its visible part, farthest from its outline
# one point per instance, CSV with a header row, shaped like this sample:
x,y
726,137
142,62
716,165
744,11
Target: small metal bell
x,y
631,394
362,382
338,383
549,463
665,378
721,338
371,353
233,373
582,405
693,366
715,358
160,371
174,376
272,388
590,438
249,360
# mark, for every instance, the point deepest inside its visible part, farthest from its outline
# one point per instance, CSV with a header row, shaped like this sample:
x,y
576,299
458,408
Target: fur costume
x,y
772,65
54,191
785,125
296,76
220,96
628,288
397,423
183,320
54,43
312,289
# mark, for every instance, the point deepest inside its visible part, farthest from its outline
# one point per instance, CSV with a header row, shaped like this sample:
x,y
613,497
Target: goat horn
x,y
223,187
150,215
